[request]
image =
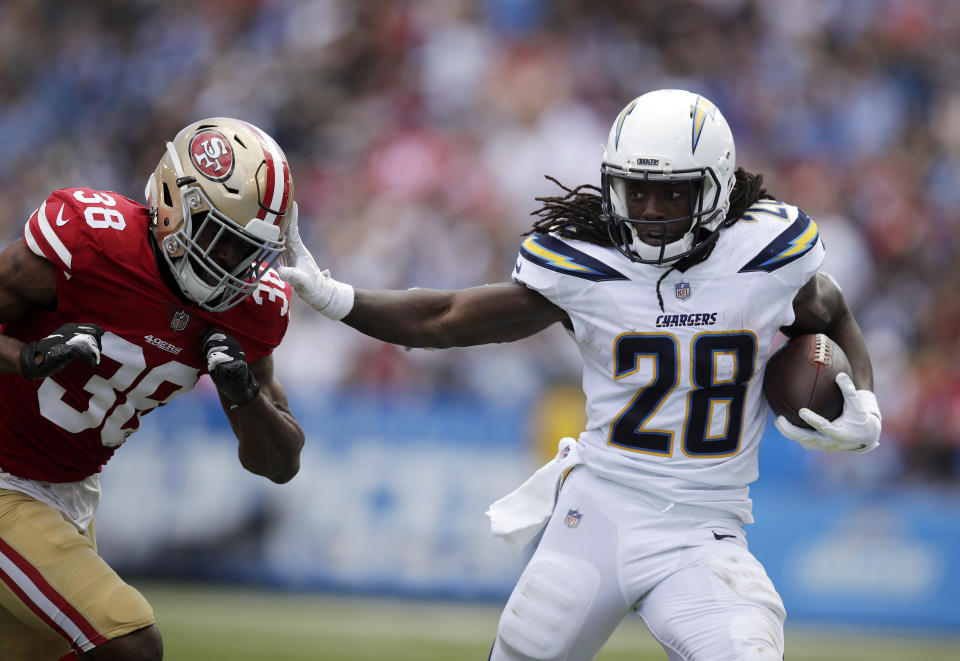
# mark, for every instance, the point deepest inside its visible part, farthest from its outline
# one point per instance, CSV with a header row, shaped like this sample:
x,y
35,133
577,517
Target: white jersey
x,y
675,402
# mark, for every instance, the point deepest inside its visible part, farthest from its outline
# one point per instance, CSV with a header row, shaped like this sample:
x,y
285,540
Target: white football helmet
x,y
668,136
219,200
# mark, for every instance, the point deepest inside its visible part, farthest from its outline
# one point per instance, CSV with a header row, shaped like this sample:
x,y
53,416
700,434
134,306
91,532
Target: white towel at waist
x,y
519,516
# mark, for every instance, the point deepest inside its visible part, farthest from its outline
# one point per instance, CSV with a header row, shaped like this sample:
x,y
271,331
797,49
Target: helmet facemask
x,y
203,241
702,195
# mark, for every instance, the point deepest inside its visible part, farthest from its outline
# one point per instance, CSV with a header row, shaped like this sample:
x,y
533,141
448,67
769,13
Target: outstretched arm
x,y
419,317
502,312
820,308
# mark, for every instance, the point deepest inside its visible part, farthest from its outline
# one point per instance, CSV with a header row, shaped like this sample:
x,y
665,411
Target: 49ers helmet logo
x,y
212,155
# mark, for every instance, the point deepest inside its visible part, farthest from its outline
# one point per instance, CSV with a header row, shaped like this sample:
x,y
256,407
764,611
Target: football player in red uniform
x,y
148,298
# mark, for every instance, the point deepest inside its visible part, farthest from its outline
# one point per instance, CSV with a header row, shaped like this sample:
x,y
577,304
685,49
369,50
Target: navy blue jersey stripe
x,y
791,244
552,253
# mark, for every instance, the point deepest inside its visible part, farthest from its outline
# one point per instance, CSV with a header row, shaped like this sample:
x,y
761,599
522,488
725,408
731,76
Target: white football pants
x,y
608,550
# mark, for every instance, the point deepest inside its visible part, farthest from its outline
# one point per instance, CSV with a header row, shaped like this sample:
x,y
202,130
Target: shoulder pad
x,y
73,225
272,296
49,232
792,243
261,321
554,254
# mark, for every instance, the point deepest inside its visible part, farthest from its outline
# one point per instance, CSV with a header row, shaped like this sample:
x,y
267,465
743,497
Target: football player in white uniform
x,y
673,278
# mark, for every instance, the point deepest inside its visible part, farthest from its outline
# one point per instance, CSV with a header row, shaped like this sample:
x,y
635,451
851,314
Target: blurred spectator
x,y
419,132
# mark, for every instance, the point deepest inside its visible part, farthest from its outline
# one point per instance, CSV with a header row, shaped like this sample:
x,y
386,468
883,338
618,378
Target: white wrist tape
x,y
333,299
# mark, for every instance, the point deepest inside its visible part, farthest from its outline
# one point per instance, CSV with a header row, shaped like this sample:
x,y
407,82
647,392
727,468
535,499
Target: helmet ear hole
x,y
167,198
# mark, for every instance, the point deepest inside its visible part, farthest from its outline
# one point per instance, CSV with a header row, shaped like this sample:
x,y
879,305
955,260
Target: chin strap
x,y
662,277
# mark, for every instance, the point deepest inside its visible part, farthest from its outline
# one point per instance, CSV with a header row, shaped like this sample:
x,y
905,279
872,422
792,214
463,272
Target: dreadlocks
x,y
578,213
747,191
574,215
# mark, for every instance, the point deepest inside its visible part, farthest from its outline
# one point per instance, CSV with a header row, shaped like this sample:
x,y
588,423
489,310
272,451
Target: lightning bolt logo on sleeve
x,y
791,244
552,253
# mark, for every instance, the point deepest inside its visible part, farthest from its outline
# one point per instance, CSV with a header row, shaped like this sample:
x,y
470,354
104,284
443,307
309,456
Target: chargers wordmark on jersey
x,y
552,253
696,319
791,244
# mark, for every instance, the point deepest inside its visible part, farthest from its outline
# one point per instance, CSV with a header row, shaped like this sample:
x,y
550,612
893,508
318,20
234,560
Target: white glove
x,y
856,430
323,293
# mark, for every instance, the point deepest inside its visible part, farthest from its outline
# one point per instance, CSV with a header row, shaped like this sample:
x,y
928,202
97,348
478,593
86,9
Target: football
x,y
802,374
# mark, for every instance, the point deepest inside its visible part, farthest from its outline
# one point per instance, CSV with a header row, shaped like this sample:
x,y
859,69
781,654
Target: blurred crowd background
x,y
419,134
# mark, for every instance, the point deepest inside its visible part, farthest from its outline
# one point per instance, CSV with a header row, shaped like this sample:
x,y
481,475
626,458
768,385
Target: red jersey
x,y
65,427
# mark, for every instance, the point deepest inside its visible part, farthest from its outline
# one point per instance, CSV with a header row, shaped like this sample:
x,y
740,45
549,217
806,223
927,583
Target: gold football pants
x,y
56,593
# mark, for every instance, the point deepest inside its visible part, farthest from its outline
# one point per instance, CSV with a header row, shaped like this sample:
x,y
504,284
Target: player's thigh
x,y
720,606
55,591
568,601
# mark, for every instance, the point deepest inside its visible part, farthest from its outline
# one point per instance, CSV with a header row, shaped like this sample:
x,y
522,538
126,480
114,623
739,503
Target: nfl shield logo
x,y
573,518
682,289
179,321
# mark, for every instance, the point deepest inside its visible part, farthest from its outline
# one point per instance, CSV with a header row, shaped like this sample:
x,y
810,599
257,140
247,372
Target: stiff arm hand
x,y
323,293
856,430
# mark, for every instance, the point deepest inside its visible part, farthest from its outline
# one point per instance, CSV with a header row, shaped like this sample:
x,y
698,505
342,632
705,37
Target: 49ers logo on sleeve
x,y
212,155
